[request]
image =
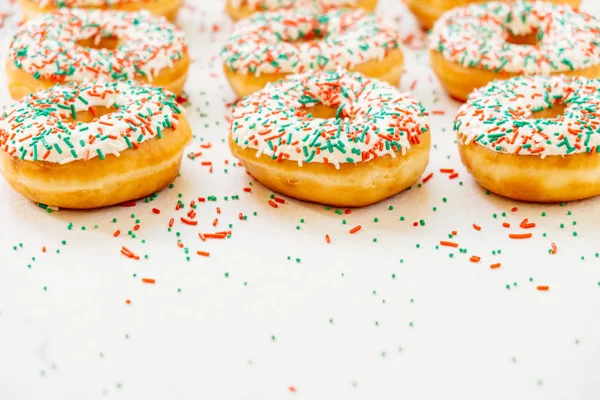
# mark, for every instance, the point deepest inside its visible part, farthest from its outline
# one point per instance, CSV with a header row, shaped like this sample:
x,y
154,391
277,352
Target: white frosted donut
x,y
534,138
269,45
373,134
476,44
81,145
59,47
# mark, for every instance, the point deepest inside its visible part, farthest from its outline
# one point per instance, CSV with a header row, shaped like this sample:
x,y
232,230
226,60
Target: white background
x,y
442,328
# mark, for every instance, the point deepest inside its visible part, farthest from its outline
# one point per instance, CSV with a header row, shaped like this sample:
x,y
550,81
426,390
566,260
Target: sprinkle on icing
x,y
41,127
47,47
373,119
499,116
295,41
476,36
317,5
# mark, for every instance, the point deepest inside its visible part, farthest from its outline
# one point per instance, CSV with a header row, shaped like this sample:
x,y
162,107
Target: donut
x,y
533,138
90,145
268,46
429,11
79,45
474,45
241,9
332,137
162,8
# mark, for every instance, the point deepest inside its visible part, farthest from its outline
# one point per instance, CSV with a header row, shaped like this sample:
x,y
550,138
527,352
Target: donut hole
x,y
557,110
90,115
100,42
322,111
530,39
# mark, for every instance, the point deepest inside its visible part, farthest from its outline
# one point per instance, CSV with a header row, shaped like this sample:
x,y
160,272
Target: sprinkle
x,y
520,235
355,229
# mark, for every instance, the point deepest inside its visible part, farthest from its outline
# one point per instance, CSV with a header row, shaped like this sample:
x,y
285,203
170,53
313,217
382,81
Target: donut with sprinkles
x,y
86,45
474,45
429,11
534,138
162,8
240,9
332,137
268,46
89,145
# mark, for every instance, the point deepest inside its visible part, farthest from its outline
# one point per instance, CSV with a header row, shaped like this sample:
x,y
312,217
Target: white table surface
x,y
353,319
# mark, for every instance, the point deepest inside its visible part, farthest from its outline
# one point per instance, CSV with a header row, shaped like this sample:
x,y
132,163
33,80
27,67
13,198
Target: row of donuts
x,y
358,129
528,146
470,46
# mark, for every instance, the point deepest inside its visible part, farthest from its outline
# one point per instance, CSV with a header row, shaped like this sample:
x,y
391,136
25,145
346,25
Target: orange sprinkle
x,y
494,266
525,224
216,221
475,259
273,204
476,227
447,170
149,280
327,239
428,177
543,288
520,235
128,301
247,189
128,253
188,222
449,244
506,224
156,211
514,209
554,248
454,175
203,253
355,229
44,249
171,221
117,233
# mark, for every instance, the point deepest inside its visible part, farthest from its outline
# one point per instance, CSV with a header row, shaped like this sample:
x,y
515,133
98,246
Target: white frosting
x,y
268,42
499,116
37,127
373,119
47,47
475,36
277,4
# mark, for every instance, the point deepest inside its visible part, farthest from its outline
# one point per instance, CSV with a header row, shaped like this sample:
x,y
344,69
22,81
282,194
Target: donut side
x,y
350,185
551,179
21,84
388,70
461,81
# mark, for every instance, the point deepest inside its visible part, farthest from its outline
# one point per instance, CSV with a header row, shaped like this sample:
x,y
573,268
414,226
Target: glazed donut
x,y
75,45
162,8
332,137
429,11
268,46
474,45
241,9
85,146
534,138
